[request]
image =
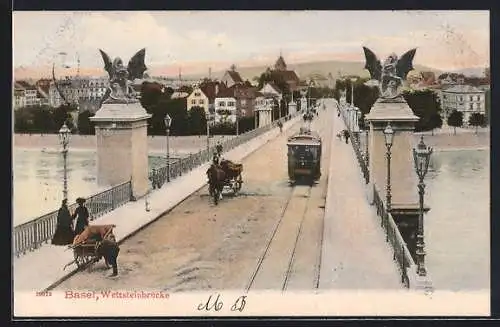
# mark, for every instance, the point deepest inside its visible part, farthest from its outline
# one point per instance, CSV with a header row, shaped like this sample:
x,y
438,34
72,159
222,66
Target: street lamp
x,y
421,156
389,137
209,116
168,121
64,136
353,80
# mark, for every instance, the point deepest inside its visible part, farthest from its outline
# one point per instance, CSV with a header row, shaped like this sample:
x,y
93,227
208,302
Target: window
x,y
243,102
197,94
471,98
201,101
471,106
222,104
230,103
193,101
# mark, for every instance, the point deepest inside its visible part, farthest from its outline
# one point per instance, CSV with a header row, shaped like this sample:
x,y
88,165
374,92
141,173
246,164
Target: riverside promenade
x,y
355,254
41,268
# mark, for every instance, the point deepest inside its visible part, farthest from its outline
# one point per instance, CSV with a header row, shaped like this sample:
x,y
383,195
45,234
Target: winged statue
x,y
390,75
121,77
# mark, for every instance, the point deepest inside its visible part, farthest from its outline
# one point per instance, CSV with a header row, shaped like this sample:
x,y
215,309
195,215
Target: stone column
x,y
403,177
292,108
122,146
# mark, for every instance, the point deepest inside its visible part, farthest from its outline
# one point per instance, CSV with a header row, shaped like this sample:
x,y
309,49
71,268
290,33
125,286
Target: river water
x,y
457,228
38,180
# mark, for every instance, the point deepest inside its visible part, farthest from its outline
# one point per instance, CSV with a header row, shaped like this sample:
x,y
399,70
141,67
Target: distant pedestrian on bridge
x,y
218,148
280,125
64,233
346,136
82,216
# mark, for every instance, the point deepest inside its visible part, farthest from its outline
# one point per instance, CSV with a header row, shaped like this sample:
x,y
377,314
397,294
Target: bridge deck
x,y
39,269
355,254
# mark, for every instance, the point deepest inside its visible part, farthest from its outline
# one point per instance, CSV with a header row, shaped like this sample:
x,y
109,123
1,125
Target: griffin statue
x,y
390,76
121,77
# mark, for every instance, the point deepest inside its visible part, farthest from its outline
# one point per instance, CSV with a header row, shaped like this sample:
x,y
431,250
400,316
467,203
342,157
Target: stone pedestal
x,y
303,104
404,202
292,108
265,115
122,146
403,177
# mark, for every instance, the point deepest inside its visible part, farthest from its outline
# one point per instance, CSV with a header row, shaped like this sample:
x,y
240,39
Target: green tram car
x,y
304,156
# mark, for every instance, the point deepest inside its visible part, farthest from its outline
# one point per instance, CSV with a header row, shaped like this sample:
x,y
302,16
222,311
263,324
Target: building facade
x,y
464,98
225,106
198,98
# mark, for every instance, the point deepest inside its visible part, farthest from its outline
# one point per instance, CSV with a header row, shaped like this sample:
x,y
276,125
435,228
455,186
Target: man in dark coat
x,y
109,249
346,136
82,216
64,232
218,148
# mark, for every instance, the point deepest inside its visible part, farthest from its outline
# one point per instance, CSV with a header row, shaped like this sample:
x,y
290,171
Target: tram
x,y
304,156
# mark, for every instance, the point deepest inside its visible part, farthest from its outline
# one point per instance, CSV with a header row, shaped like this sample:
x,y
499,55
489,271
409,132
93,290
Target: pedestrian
x,y
280,125
64,232
218,148
346,136
109,249
82,216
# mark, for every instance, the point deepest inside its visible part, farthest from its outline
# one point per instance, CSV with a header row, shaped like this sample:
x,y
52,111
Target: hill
x,y
305,70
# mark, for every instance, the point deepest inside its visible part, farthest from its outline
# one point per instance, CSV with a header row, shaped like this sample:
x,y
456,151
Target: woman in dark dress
x,y
82,216
64,232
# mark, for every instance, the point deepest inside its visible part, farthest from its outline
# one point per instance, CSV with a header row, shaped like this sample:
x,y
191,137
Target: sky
x,y
196,40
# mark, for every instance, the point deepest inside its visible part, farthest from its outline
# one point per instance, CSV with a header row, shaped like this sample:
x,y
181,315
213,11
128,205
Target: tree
x,y
85,125
197,120
477,119
456,119
425,105
487,106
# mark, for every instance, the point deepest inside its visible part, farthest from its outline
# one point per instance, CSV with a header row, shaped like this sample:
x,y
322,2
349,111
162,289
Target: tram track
x,y
278,228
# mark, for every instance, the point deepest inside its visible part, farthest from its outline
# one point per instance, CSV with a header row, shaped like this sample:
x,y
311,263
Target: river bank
x,y
156,144
461,141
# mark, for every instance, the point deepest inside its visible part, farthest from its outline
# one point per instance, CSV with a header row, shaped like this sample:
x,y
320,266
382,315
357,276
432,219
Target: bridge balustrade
x,y
401,254
32,234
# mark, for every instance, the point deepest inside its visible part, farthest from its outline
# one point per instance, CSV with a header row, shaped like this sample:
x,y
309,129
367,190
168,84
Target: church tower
x,y
280,64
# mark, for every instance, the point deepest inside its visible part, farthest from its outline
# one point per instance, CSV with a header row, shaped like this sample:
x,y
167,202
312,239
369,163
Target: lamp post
x,y
64,136
168,121
208,130
389,137
421,156
353,80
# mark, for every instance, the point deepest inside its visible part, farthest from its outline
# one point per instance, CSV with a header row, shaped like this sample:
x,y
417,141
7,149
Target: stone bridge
x,y
336,234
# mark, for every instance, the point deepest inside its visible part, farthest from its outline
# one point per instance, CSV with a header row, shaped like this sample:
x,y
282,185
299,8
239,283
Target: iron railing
x,y
158,176
32,234
401,254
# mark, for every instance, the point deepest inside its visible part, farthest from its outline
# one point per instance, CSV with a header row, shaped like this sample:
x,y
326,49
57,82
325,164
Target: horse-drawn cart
x,y
85,245
224,175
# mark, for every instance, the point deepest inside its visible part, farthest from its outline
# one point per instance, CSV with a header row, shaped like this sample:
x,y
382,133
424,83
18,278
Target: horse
x,y
216,177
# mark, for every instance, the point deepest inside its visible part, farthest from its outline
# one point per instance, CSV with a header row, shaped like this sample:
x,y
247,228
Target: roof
x,y
24,85
225,93
280,63
179,95
235,76
463,89
273,86
244,91
286,75
208,88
